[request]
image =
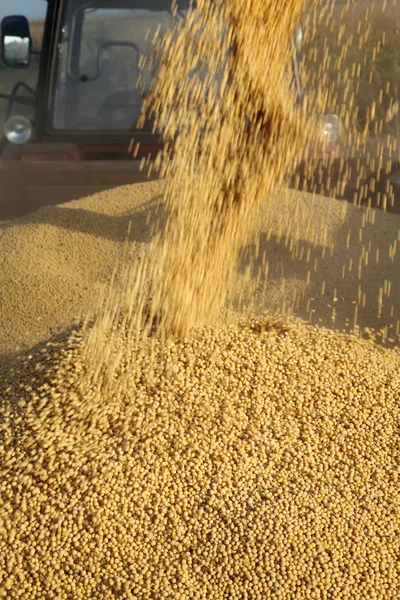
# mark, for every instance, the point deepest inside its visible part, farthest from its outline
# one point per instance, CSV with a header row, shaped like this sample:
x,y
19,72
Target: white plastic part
x,y
332,127
298,37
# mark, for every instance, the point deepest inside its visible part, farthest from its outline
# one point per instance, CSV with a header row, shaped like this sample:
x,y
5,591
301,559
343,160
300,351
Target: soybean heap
x,y
238,457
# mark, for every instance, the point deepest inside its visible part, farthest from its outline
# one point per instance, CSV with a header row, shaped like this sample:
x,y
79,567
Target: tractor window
x,y
99,66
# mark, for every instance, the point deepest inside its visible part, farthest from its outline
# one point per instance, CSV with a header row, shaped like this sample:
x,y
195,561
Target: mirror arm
x,y
296,72
14,98
21,99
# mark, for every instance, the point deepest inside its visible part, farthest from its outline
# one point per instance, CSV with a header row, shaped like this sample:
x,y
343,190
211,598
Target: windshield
x,y
100,81
99,77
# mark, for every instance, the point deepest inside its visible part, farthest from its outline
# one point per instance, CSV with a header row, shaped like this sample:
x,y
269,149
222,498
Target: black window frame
x,y
55,20
47,81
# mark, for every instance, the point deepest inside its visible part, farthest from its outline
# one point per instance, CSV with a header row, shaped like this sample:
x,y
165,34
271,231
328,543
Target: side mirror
x,y
16,41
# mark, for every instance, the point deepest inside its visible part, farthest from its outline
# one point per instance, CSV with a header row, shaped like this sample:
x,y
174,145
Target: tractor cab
x,y
91,80
91,83
87,100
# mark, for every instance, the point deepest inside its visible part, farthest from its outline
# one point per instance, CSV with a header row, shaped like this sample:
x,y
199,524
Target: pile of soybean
x,y
240,458
257,459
